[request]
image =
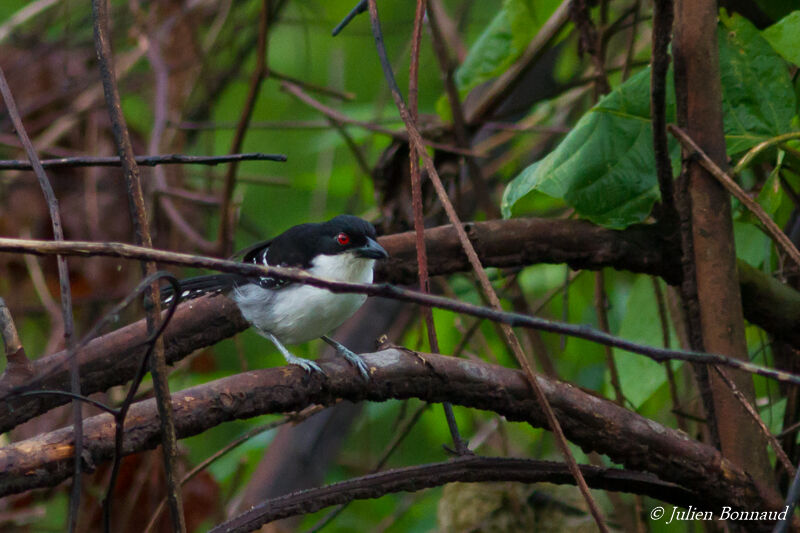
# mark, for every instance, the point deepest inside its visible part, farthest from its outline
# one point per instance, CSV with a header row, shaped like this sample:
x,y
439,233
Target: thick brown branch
x,y
591,422
528,241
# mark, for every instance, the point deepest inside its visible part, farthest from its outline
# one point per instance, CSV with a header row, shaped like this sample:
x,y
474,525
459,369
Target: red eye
x,y
343,239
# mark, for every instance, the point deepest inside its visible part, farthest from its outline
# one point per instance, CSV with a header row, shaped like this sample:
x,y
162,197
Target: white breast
x,y
300,313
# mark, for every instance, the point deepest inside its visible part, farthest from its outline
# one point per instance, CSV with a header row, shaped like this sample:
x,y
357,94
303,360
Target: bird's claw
x,y
305,364
350,356
354,360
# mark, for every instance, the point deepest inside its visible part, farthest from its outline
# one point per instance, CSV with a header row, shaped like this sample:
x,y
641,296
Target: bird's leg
x,y
305,364
351,357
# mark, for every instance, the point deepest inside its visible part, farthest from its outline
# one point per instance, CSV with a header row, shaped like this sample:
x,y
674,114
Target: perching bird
x,y
286,312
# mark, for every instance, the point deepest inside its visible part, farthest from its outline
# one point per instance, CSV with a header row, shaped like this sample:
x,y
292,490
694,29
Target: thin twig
x,y
662,31
321,89
416,143
792,496
419,223
191,196
776,446
361,7
482,192
226,222
601,308
50,305
590,42
142,235
86,100
663,319
629,50
8,331
386,290
777,235
390,448
358,153
66,293
269,124
23,15
142,160
341,118
91,401
19,368
751,154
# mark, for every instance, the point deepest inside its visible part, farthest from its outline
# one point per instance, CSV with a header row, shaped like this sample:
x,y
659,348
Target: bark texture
x,y
593,423
719,302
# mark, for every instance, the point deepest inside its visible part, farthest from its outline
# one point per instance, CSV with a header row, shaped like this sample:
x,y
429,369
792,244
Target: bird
x,y
345,248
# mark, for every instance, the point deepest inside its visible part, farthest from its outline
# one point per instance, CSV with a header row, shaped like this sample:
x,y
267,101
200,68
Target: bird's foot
x,y
351,357
305,364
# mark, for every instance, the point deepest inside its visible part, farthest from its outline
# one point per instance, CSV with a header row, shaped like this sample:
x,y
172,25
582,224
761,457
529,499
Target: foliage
x,y
604,167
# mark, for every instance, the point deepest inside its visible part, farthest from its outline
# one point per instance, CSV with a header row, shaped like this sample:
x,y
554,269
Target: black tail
x,y
196,287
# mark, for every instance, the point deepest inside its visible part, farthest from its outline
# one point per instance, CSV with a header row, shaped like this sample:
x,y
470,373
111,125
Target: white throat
x,y
343,267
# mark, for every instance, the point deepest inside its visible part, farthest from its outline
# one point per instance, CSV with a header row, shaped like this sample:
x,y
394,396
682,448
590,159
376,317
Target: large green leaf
x,y
604,167
784,36
757,98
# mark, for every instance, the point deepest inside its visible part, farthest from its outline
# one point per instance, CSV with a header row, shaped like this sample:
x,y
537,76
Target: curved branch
x,y
463,469
591,422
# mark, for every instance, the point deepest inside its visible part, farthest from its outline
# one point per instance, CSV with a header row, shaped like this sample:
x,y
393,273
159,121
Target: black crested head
x,y
350,224
298,245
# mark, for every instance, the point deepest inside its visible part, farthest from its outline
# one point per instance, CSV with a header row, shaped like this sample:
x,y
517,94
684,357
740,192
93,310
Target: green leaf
x,y
639,376
757,98
752,245
773,415
490,54
523,25
784,36
604,167
501,43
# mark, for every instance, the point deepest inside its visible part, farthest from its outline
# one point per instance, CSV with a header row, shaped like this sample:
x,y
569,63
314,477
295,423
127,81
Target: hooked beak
x,y
371,250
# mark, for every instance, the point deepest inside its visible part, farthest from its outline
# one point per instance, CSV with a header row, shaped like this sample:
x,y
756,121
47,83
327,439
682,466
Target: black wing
x,y
195,287
218,283
257,254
